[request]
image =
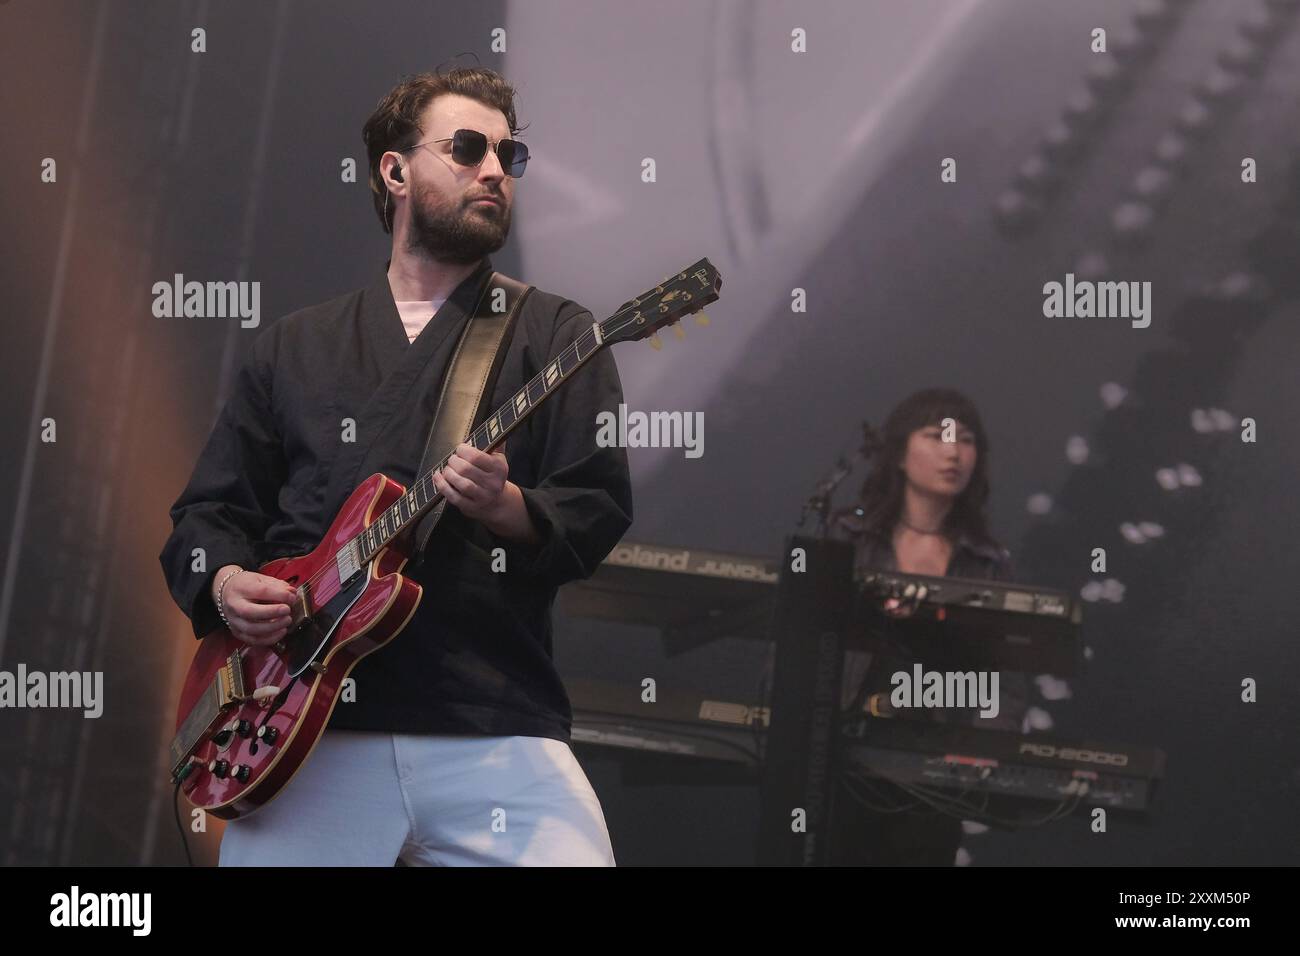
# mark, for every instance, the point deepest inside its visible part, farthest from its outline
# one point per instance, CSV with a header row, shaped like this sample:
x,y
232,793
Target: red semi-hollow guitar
x,y
250,715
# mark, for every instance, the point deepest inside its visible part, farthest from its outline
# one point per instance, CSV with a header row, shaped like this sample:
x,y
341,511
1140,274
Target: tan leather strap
x,y
467,386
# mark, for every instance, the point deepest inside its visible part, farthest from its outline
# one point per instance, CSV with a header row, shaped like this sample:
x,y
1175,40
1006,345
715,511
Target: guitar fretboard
x,y
421,496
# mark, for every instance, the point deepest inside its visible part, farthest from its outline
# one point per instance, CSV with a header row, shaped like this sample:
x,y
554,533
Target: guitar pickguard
x,y
307,642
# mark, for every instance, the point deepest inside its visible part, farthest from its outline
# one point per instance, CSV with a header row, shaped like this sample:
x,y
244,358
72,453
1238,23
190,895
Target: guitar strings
x,y
319,575
437,496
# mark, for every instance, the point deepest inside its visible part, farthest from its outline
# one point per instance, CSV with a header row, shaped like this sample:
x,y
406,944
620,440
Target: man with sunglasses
x,y
453,747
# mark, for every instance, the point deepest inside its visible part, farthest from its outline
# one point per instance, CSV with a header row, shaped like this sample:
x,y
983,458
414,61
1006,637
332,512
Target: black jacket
x,y
476,656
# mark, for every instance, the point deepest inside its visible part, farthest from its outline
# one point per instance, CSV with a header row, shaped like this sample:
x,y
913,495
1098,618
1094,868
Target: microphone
x,y
819,501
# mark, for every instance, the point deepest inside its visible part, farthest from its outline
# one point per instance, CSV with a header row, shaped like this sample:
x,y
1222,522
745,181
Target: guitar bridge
x,y
226,689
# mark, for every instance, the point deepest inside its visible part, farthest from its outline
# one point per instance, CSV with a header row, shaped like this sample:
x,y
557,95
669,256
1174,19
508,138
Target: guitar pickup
x,y
348,562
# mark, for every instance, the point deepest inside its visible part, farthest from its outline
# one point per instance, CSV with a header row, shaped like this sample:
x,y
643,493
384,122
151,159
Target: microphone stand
x,y
819,502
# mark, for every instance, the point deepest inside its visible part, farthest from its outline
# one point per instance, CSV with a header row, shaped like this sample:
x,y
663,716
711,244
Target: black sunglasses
x,y
469,147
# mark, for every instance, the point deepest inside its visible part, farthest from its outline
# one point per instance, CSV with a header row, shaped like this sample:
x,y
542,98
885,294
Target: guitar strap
x,y
467,386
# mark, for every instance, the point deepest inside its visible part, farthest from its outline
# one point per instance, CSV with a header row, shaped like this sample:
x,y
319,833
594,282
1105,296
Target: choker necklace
x,y
911,527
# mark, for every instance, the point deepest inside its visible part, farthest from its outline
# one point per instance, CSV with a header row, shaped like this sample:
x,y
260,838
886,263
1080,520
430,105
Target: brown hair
x,y
395,123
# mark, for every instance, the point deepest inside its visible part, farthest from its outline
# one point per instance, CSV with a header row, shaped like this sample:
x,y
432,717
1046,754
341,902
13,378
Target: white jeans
x,y
366,799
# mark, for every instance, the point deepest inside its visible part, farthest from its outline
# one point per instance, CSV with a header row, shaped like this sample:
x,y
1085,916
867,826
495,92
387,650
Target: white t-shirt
x,y
416,315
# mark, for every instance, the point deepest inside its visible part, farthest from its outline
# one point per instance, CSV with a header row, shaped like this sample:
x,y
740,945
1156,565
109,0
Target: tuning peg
x,y
655,343
701,319
678,330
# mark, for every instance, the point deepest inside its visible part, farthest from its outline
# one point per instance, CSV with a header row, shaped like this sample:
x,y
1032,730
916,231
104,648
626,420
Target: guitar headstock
x,y
683,294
